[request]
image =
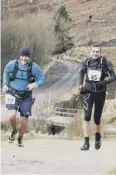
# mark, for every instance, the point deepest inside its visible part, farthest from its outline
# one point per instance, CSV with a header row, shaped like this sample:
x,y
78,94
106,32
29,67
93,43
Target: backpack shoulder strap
x,y
87,61
30,66
16,66
29,69
103,61
31,77
14,71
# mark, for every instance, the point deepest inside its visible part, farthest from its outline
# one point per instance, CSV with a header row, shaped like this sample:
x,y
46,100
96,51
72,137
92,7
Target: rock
x,y
32,133
109,111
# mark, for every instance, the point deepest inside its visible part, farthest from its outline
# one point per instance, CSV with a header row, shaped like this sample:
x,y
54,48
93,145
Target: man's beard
x,y
95,57
24,62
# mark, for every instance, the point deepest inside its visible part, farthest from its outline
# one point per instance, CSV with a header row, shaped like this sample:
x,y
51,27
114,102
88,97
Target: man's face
x,y
24,59
95,52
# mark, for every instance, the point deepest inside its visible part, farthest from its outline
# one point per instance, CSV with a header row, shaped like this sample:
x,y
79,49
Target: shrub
x,y
35,31
75,129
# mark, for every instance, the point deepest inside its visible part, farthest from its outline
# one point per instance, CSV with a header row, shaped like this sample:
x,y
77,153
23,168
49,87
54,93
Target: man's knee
x,y
24,116
12,113
97,119
23,119
97,122
87,118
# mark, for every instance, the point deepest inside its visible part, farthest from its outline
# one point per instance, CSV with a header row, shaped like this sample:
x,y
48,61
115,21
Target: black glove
x,y
101,84
82,90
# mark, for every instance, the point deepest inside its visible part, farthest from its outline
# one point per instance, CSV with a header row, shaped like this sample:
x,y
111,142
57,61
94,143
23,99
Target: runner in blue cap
x,y
20,77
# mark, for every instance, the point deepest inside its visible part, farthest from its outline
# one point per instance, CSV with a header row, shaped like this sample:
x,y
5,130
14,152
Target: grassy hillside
x,y
102,28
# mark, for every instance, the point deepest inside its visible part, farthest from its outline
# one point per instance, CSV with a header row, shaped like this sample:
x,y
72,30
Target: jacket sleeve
x,y
111,71
82,72
40,79
8,68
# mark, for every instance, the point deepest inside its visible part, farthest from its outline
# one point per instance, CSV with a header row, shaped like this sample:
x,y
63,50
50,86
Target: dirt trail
x,y
63,85
54,156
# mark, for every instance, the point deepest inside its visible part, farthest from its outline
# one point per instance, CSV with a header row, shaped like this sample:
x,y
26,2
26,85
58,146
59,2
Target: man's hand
x,y
5,88
101,84
33,100
32,86
81,89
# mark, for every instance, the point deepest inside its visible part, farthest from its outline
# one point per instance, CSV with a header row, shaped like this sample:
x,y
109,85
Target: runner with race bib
x,y
20,78
98,72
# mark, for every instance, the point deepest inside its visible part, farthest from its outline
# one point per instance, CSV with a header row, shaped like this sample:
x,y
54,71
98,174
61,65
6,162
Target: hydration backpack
x,y
31,78
103,65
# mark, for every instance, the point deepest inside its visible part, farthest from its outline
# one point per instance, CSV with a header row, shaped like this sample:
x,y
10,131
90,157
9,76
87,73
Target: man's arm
x,y
82,73
6,72
111,71
40,79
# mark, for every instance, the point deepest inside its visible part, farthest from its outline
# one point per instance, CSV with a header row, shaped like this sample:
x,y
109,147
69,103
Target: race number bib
x,y
9,99
94,75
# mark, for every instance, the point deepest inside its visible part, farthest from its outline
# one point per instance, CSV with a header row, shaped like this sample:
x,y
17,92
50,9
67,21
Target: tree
x,y
64,41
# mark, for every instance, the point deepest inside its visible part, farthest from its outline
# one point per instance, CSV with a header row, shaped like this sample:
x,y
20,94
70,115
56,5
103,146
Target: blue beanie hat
x,y
25,51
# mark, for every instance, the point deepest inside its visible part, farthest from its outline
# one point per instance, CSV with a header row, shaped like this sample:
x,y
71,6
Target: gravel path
x,y
55,156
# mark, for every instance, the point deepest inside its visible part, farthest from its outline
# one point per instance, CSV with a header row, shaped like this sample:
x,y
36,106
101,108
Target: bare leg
x,y
23,126
86,128
12,118
22,130
97,128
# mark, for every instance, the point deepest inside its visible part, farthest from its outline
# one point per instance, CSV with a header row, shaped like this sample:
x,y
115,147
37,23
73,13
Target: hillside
x,y
102,28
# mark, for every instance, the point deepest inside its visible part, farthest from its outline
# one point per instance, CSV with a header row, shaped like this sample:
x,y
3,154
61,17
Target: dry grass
x,y
37,123
37,33
79,12
112,171
75,129
78,54
110,52
33,125
109,112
